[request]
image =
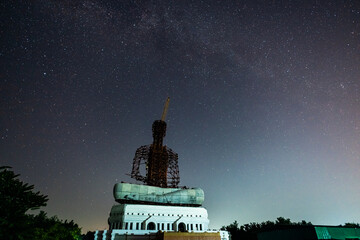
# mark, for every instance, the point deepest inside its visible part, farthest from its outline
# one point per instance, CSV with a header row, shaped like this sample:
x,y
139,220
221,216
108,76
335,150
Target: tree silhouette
x,y
53,228
90,235
16,198
249,231
283,221
354,225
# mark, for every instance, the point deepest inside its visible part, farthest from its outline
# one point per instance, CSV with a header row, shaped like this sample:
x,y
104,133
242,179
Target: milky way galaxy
x,y
264,110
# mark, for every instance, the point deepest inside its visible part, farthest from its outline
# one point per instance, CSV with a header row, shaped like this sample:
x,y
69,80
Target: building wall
x,y
123,235
136,217
189,236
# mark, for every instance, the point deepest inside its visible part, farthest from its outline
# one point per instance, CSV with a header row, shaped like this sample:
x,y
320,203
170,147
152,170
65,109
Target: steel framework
x,y
160,161
142,158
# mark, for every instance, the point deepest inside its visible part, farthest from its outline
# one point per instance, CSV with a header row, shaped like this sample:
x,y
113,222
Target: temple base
x,y
137,222
121,235
137,217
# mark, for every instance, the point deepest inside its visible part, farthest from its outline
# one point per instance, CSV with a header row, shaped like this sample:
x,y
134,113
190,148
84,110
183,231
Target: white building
x,y
131,220
134,218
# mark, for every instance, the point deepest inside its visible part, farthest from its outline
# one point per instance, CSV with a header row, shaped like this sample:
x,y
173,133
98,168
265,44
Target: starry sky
x,y
264,110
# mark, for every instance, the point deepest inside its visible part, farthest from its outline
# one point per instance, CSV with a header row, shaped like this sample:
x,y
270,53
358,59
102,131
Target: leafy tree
x,y
88,236
283,221
53,228
249,231
354,225
16,198
233,229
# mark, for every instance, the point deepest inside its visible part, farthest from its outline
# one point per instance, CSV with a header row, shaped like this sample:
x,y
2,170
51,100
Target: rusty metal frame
x,y
161,163
142,157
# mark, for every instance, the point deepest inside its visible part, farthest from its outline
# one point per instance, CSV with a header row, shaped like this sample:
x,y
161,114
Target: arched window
x,y
151,226
181,227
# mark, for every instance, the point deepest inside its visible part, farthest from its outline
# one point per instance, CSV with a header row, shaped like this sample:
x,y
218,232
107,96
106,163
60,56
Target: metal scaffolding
x,y
161,162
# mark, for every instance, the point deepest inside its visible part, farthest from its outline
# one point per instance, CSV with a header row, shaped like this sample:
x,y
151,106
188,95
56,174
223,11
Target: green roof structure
x,y
311,233
337,232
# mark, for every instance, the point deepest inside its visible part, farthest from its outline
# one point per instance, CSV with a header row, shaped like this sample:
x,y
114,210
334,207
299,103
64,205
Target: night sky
x,y
264,110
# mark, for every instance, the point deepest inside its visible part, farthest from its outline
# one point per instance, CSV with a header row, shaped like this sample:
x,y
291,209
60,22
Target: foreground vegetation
x,y
249,231
16,199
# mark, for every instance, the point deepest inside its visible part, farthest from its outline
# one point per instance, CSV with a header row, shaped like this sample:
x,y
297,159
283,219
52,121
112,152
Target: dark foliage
x,y
53,228
354,225
16,198
249,231
88,236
